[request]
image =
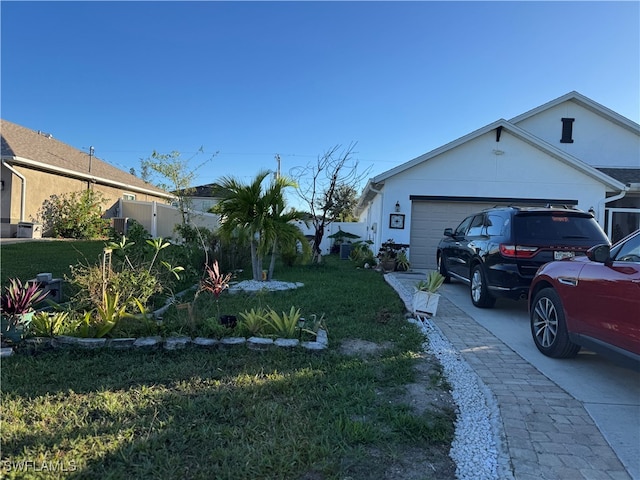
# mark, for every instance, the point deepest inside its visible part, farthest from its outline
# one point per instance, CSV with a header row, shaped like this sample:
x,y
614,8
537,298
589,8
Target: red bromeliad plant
x,y
20,298
214,282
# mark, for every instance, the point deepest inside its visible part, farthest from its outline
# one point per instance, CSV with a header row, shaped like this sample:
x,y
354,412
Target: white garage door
x,y
428,221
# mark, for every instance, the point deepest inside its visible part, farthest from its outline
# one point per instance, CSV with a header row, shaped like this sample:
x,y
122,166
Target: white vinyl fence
x,y
356,228
160,219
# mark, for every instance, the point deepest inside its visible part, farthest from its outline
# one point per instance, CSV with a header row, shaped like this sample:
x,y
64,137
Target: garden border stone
x,y
169,343
121,343
259,343
148,343
286,342
231,342
6,352
176,343
204,342
91,343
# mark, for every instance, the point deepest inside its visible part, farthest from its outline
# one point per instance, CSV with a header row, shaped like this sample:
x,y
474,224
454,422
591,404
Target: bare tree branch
x,y
318,184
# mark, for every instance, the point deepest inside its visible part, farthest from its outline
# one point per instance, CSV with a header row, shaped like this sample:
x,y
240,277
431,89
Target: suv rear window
x,y
545,228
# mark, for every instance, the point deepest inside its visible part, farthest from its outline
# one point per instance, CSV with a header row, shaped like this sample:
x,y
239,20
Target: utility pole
x,y
278,170
91,150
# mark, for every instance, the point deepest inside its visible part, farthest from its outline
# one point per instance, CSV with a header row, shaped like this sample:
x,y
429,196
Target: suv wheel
x,y
548,326
480,295
443,270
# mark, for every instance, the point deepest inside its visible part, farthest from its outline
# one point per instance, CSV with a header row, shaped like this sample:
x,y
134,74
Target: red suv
x,y
591,301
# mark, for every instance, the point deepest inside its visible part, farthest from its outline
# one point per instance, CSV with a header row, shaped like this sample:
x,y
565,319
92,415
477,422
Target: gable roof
x,y
605,176
38,150
586,103
516,132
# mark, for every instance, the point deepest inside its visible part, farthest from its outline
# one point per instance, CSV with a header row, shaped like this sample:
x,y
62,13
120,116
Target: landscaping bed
x,y
371,405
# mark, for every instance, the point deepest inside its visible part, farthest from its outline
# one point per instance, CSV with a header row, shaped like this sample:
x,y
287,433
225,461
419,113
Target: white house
x,y
571,151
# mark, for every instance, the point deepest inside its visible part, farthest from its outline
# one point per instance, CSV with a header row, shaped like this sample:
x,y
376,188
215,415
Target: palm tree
x,y
249,214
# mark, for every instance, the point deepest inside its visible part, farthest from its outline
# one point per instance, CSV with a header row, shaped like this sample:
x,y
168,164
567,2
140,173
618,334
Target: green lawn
x,y
234,414
25,260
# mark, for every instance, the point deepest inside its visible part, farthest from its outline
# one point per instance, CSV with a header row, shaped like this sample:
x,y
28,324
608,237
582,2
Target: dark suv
x,y
498,251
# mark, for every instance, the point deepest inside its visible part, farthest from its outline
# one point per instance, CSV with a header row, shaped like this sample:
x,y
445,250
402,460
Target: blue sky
x,y
252,79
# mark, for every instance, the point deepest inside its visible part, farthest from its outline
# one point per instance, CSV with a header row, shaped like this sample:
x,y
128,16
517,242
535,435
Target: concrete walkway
x,y
548,433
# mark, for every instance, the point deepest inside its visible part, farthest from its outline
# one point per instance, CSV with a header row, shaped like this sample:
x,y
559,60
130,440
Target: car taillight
x,y
517,251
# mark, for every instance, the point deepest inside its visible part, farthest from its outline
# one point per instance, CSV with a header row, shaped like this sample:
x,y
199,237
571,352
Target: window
x,y
496,225
630,251
475,230
462,228
567,130
128,196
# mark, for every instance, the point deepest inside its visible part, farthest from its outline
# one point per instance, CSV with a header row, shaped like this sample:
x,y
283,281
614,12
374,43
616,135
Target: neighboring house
x,y
200,198
36,166
570,151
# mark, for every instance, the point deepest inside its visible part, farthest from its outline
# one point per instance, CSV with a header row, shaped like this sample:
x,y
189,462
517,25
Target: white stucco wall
x,y
474,170
374,219
596,140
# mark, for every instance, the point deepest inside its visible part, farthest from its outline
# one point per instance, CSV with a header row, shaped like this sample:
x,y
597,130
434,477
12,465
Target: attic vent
x,y
45,134
567,130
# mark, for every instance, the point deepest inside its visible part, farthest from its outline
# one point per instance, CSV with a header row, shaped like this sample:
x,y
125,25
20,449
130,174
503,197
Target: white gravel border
x,y
478,425
253,286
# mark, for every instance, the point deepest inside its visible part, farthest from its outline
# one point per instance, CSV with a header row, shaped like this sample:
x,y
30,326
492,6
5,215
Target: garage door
x,y
428,221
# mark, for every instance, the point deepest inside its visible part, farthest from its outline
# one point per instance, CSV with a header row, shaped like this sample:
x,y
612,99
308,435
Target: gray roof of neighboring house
x,y
35,149
623,175
199,191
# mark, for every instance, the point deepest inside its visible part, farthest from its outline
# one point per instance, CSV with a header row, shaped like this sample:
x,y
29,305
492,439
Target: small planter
x,y
388,265
425,303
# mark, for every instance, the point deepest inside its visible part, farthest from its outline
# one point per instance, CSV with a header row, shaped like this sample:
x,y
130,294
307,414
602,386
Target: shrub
x,y
253,322
75,215
20,298
285,325
362,254
135,274
45,324
131,284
